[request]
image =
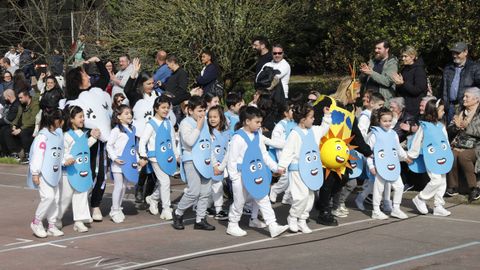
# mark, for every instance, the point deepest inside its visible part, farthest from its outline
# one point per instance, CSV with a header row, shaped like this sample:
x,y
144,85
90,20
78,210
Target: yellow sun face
x,y
335,153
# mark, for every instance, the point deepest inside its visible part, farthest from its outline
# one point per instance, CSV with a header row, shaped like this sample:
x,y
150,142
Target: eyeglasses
x,y
277,53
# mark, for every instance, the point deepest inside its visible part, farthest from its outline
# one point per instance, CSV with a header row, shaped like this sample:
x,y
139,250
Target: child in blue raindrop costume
x,y
77,175
385,164
45,171
432,140
249,166
197,165
301,155
157,146
121,149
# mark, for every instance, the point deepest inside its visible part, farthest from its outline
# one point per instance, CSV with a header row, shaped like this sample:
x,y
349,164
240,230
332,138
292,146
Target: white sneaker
x,y
303,227
276,230
166,214
338,213
398,213
344,209
379,215
153,205
273,197
122,215
441,211
359,202
59,224
38,230
116,217
256,223
387,206
54,231
234,230
80,227
420,205
292,224
97,214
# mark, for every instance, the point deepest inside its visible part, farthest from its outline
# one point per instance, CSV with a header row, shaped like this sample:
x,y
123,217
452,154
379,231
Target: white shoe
x,y
38,230
440,211
379,215
303,227
256,223
421,205
54,231
59,224
387,206
344,209
339,213
116,216
359,202
80,227
153,205
97,214
166,214
273,197
276,230
292,224
122,215
398,213
234,230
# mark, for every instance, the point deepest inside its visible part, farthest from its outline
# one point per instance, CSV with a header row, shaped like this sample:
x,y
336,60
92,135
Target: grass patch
x,y
8,160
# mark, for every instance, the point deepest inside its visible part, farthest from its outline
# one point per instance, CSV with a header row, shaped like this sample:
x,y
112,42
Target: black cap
x,y
459,47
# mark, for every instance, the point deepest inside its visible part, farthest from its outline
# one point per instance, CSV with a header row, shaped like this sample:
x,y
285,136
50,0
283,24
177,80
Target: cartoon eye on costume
x,y
347,151
163,148
394,152
132,151
314,155
79,160
381,154
169,145
85,159
431,150
105,106
444,146
308,159
259,165
339,147
217,150
253,168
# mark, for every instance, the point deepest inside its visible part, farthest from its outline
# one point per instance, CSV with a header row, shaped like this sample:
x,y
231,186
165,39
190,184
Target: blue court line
x,y
423,255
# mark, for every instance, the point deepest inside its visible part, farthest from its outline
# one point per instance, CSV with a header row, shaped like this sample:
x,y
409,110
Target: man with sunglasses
x,y
280,64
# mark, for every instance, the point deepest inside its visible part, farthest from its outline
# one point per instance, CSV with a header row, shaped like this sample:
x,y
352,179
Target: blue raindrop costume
x,y
79,174
163,147
129,156
386,158
220,144
437,154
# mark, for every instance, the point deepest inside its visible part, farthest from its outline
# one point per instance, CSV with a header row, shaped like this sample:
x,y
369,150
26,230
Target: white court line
x,y
452,219
149,263
90,235
14,174
13,186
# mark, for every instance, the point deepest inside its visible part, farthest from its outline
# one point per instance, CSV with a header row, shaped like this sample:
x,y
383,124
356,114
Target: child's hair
x,y
232,99
116,97
115,121
247,113
376,97
222,126
377,115
431,112
160,100
196,101
301,111
49,117
70,112
210,96
283,108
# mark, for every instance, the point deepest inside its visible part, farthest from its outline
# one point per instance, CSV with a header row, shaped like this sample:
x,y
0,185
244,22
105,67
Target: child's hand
x,y
142,162
36,179
326,110
119,161
373,171
408,160
95,133
200,122
216,171
281,170
69,162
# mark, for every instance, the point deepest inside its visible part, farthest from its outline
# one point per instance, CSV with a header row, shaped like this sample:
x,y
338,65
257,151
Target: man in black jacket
x,y
9,113
458,76
177,85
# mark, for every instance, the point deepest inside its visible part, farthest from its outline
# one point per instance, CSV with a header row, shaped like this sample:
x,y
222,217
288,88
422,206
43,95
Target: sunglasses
x,y
277,53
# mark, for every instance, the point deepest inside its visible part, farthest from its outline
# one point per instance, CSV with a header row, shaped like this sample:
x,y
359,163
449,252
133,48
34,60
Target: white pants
x,y
217,195
239,196
48,206
302,197
378,188
435,188
281,185
79,201
162,188
119,187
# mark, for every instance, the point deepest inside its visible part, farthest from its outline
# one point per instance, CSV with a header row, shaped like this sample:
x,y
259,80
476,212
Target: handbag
x,y
464,141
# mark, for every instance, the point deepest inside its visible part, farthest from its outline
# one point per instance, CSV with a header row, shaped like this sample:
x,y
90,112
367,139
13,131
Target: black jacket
x,y
208,79
50,99
9,113
469,77
414,87
177,85
357,139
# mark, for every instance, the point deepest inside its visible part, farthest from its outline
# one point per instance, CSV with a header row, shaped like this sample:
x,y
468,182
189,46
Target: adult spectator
x,y
110,67
23,125
20,82
280,64
140,84
377,75
6,83
121,78
411,83
163,72
6,65
465,128
458,76
57,63
26,61
13,56
261,46
177,83
9,113
402,121
209,74
51,93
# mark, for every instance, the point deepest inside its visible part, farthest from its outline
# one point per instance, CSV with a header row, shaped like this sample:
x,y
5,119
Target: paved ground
x,y
146,242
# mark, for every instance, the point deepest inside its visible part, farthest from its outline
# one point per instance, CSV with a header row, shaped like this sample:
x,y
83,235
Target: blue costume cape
x,y
163,151
79,174
386,158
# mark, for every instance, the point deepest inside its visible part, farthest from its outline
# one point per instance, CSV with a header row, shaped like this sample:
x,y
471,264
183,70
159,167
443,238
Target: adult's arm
x,y
131,91
104,77
358,140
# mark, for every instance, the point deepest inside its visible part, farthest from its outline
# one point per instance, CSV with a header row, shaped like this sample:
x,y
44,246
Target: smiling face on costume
x,y
436,151
386,159
339,153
